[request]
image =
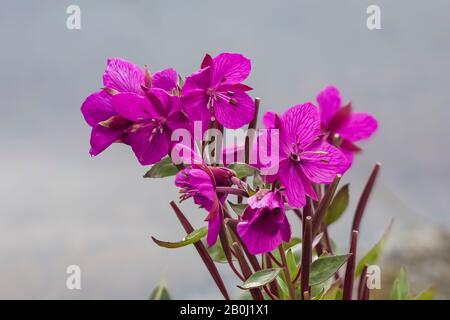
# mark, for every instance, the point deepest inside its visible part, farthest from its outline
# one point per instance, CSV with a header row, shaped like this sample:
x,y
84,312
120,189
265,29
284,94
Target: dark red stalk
x,y
227,251
246,271
249,140
272,257
233,230
209,263
350,269
366,293
327,239
324,204
365,197
231,190
273,285
362,283
306,257
251,126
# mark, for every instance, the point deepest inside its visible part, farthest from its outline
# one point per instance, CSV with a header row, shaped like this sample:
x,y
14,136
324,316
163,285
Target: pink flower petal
x,y
271,120
230,68
323,162
166,79
329,100
133,106
148,146
123,76
234,116
290,178
102,138
264,231
97,108
300,124
285,230
309,190
214,226
360,126
207,61
198,80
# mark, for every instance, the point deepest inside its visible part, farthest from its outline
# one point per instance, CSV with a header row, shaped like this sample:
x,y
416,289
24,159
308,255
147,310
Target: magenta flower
x,y
304,157
107,126
200,182
264,224
155,116
350,126
120,76
216,91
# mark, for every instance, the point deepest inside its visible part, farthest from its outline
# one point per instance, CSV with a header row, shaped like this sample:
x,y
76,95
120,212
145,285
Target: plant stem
x,y
273,285
362,283
324,204
249,140
227,251
271,256
306,257
251,127
256,293
350,270
287,274
362,203
233,231
209,263
231,190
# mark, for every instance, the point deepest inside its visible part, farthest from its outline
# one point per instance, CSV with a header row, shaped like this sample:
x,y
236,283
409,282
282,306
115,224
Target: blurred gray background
x,y
59,206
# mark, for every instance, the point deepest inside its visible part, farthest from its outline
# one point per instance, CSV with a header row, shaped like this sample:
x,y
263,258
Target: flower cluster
x,y
142,110
315,146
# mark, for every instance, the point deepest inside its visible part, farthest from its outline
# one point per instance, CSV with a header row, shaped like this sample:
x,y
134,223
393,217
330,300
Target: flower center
x,y
302,156
215,95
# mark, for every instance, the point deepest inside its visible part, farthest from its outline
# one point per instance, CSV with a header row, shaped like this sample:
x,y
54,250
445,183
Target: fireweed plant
x,y
290,166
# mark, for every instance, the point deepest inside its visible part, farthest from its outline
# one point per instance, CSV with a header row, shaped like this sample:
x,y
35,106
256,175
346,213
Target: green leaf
x,y
260,278
284,291
160,293
426,294
400,288
338,205
257,180
245,295
162,169
237,207
325,267
216,252
318,290
340,294
374,254
242,170
292,264
191,238
180,81
332,292
294,241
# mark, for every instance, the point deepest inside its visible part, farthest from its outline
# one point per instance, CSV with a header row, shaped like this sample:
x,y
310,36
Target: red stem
x,y
231,190
324,204
362,283
306,257
350,270
246,271
209,263
362,203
